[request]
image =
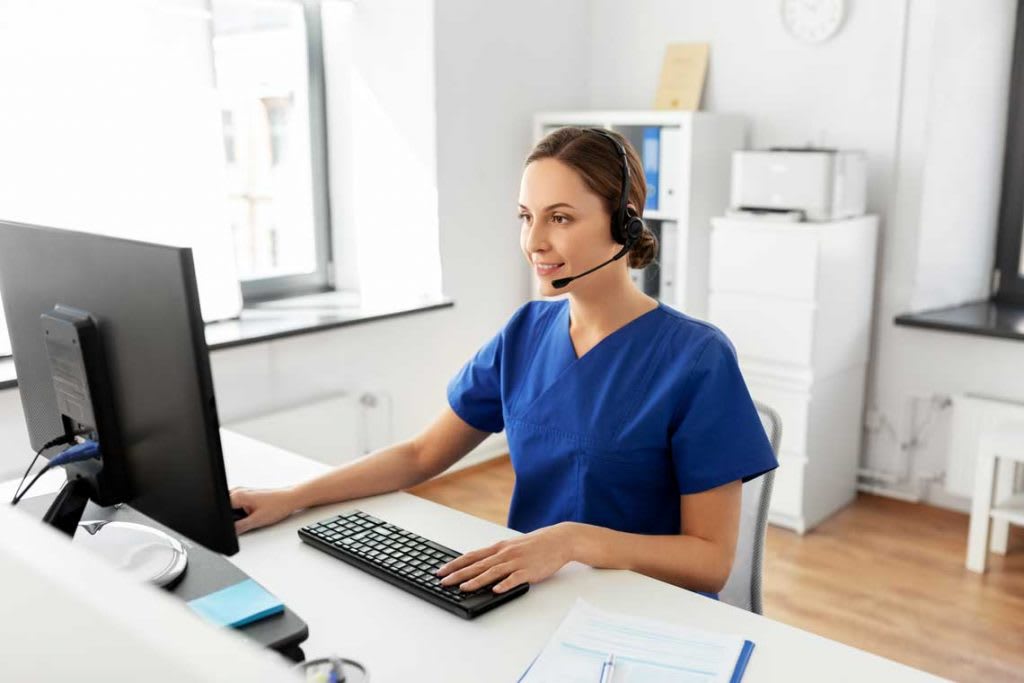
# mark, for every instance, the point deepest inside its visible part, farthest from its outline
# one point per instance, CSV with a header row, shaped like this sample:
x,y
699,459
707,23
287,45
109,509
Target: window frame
x,y
1008,281
323,277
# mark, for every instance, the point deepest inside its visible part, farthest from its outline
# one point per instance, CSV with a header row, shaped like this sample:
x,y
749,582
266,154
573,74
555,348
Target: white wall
x,y
921,85
842,93
497,64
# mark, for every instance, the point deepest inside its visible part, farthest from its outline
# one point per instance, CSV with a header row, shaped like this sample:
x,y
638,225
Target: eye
x,y
524,216
560,219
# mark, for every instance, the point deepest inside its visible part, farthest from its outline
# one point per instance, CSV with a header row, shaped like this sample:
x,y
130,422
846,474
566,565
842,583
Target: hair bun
x,y
642,253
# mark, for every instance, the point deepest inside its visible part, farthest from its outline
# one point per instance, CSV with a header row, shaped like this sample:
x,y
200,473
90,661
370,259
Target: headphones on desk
x,y
627,226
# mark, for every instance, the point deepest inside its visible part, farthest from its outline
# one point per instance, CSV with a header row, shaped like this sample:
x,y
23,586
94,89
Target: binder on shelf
x,y
650,153
669,171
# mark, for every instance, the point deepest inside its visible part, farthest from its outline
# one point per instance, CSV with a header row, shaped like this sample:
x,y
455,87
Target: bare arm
x,y
699,558
401,466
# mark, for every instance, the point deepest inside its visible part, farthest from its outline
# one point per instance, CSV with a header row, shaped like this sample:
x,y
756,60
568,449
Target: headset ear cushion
x,y
634,228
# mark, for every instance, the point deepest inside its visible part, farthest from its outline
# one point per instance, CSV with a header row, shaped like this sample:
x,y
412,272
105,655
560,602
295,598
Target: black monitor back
x,y
145,302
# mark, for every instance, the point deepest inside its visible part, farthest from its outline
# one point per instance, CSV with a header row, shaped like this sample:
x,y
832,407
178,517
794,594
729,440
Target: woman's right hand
x,y
262,507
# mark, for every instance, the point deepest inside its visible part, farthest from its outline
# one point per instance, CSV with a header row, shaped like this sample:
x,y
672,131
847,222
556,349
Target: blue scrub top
x,y
657,409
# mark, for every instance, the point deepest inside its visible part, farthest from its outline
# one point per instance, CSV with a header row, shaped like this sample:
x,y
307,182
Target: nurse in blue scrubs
x,y
630,428
629,425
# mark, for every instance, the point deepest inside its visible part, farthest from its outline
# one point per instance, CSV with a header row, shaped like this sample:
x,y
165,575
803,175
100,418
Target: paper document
x,y
644,651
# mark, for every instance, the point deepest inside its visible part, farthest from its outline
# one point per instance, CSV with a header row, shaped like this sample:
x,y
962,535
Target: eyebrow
x,y
553,206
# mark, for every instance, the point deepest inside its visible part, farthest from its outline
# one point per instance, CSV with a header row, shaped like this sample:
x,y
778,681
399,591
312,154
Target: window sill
x,y
981,318
283,318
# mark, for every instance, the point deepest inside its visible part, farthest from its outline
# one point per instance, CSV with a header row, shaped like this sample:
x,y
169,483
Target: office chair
x,y
743,588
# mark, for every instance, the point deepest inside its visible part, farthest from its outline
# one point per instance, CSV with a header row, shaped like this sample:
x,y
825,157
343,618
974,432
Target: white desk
x,y
401,638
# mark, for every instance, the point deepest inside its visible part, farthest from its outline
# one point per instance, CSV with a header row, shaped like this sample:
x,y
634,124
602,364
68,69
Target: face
x,y
565,226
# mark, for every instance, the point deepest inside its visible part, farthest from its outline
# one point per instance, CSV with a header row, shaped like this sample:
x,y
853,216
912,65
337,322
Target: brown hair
x,y
600,166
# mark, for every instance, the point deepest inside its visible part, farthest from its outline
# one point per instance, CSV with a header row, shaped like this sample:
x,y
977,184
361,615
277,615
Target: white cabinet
x,y
695,160
795,299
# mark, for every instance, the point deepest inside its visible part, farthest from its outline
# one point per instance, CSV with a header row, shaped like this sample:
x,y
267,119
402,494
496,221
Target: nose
x,y
535,239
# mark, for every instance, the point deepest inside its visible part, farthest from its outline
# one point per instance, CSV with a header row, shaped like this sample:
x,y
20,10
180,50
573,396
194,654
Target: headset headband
x,y
619,220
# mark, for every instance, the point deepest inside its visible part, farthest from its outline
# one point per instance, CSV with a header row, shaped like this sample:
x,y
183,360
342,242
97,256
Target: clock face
x,y
813,21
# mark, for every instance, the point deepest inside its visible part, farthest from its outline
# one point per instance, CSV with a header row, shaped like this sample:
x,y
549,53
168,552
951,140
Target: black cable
x,y
63,439
77,453
18,496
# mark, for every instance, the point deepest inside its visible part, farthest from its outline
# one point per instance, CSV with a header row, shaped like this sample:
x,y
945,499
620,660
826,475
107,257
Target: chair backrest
x,y
743,589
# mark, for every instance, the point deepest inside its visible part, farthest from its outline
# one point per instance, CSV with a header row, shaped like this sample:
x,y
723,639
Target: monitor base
x,y
145,553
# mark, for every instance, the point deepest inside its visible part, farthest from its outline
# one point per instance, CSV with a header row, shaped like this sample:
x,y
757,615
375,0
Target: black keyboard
x,y
401,558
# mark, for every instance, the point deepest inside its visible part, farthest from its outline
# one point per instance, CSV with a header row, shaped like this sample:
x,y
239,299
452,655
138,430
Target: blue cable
x,y
84,451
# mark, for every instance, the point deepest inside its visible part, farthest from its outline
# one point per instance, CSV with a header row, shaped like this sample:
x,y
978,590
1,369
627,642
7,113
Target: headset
x,y
627,226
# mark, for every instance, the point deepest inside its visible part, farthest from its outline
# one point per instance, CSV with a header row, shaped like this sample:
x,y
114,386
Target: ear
x,y
632,207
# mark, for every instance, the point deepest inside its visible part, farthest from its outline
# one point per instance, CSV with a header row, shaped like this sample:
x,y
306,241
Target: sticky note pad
x,y
237,605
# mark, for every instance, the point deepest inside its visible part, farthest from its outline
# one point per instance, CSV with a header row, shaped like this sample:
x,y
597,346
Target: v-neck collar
x,y
568,337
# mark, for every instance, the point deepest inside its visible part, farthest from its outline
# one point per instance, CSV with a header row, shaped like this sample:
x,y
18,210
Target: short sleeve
x,y
719,437
475,391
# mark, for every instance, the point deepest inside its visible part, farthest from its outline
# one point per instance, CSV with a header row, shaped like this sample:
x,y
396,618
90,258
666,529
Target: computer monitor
x,y
158,427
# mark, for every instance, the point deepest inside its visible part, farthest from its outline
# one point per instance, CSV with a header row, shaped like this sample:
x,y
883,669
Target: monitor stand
x,y
66,510
144,552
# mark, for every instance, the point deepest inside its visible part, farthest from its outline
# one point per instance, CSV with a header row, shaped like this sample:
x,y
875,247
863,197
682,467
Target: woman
x,y
629,425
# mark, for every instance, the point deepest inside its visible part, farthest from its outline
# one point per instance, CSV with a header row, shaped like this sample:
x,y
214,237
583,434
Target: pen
x,y
608,669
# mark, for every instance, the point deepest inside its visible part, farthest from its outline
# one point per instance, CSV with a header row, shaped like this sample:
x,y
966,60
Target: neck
x,y
603,304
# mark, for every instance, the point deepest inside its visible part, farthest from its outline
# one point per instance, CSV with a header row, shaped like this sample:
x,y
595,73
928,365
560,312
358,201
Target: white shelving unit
x,y
696,190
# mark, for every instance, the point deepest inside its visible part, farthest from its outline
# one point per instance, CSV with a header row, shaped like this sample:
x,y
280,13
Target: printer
x,y
809,183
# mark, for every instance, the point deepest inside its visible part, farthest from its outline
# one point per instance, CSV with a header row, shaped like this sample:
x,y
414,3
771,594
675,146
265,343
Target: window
x,y
213,135
130,147
268,70
1009,271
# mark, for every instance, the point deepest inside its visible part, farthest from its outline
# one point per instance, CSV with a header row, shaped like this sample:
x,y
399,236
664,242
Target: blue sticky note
x,y
237,605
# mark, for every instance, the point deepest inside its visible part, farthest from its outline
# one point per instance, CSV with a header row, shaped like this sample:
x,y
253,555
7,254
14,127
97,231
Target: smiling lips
x,y
547,268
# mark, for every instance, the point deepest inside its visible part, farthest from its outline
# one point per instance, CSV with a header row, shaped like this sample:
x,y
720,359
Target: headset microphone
x,y
562,282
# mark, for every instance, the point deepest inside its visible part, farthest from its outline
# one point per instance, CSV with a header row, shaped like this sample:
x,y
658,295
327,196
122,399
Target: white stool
x,y
999,451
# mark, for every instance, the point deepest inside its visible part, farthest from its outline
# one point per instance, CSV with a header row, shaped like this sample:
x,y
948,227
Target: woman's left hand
x,y
526,559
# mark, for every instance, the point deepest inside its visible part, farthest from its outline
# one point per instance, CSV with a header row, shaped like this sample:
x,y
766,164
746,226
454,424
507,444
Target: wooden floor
x,y
881,575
